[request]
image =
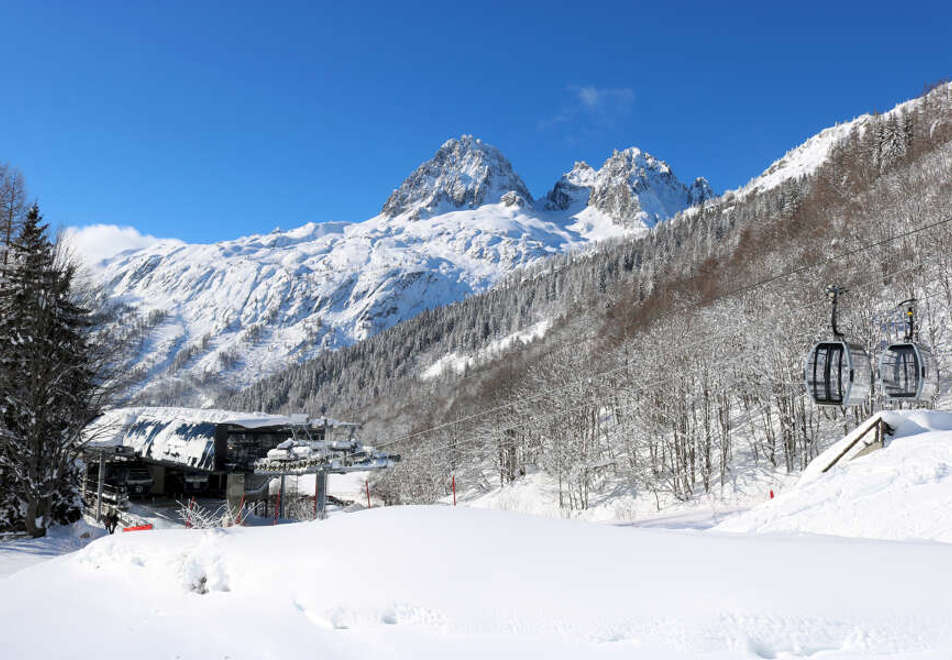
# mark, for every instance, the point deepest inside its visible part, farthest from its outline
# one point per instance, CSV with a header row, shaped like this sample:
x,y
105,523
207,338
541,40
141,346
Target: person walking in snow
x,y
111,520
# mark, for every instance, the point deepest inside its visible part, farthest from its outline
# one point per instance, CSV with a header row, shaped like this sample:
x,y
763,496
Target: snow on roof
x,y
183,435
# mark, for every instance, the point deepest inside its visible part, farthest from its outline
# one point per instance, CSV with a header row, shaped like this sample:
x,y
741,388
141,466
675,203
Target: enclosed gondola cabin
x,y
908,372
838,373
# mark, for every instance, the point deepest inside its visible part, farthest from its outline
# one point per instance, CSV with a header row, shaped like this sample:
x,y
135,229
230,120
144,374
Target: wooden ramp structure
x,y
869,439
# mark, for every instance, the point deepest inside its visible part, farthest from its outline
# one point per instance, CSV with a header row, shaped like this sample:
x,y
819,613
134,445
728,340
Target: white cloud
x,y
595,98
589,105
94,243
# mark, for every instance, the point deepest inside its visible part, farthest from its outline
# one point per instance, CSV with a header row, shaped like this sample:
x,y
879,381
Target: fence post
x,y
277,509
367,486
188,516
281,499
454,490
102,479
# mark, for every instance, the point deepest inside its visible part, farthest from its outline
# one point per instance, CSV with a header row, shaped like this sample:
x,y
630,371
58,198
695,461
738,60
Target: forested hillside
x,y
673,357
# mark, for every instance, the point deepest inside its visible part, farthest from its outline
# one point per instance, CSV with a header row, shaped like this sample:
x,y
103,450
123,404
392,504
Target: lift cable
x,y
730,294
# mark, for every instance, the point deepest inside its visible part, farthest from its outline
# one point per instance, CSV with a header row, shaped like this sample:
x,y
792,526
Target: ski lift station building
x,y
178,452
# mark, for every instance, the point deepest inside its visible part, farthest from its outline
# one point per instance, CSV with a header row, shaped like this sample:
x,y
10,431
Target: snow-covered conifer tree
x,y
48,389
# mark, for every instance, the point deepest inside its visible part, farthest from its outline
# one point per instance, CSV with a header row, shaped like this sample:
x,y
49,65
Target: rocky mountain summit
x,y
464,173
633,188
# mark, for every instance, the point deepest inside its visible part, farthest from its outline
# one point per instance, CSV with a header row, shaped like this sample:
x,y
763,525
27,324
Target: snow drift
x,y
902,492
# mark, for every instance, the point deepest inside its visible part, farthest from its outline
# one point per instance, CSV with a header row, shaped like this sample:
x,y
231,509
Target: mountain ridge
x,y
225,314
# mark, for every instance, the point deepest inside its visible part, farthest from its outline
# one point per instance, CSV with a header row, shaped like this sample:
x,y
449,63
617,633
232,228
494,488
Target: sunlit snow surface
x,y
901,492
438,582
445,582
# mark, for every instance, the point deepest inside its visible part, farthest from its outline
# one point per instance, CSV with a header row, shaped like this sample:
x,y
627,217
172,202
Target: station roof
x,y
183,435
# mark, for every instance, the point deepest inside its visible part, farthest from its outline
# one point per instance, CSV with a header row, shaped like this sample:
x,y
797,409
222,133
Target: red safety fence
x,y
137,528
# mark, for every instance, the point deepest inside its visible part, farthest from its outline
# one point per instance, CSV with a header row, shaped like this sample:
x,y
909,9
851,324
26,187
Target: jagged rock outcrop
x,y
574,187
464,173
635,188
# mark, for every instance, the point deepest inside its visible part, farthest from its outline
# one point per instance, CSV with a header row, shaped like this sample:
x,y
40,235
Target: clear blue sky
x,y
206,121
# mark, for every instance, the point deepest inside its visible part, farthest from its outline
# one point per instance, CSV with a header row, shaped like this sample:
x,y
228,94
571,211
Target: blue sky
x,y
206,121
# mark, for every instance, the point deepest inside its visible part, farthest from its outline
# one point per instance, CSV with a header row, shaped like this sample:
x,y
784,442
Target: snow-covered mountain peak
x,y
465,172
226,314
633,189
581,174
573,188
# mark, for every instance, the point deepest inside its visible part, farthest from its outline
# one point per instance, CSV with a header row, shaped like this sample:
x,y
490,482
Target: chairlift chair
x,y
838,372
907,370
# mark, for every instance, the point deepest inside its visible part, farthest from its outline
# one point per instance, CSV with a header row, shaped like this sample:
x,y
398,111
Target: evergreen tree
x,y
48,388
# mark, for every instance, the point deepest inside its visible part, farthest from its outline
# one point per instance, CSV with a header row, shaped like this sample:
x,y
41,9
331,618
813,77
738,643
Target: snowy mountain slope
x,y
901,492
443,582
805,158
229,313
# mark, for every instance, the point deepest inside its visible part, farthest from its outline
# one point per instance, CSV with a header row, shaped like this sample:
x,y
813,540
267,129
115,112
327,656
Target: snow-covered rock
x,y
465,173
573,188
633,189
637,190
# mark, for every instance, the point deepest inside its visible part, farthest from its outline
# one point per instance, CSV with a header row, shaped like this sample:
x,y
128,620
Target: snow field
x,y
782,580
21,552
458,364
429,582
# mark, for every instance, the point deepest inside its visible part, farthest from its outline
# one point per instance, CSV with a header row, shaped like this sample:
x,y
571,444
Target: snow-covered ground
x,y
439,582
614,501
901,492
458,364
19,552
786,578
